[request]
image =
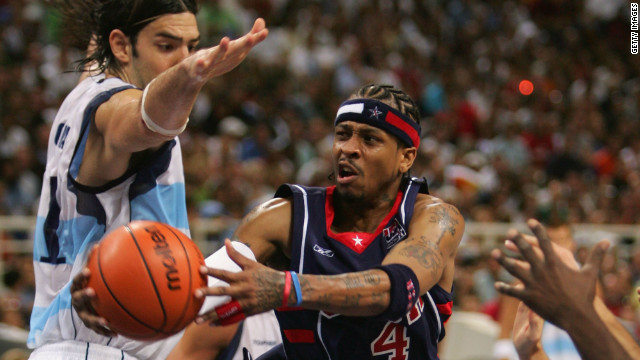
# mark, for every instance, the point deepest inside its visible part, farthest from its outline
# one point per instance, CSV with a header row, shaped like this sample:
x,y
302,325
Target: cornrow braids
x,y
391,96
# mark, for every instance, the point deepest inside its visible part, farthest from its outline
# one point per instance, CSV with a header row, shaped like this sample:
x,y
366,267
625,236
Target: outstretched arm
x,y
563,295
167,100
428,251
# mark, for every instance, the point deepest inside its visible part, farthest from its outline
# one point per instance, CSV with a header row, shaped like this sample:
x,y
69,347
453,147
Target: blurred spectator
x,y
571,146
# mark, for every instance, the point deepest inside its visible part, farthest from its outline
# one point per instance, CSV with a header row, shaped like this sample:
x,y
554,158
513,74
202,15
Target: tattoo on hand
x,y
272,288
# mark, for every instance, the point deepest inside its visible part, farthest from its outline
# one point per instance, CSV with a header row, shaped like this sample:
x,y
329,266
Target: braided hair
x,y
391,96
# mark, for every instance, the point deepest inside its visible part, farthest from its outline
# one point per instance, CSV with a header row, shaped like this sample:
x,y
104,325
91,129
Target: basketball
x,y
144,274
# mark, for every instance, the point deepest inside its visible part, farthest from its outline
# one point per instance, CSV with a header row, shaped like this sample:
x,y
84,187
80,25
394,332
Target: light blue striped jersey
x,y
72,217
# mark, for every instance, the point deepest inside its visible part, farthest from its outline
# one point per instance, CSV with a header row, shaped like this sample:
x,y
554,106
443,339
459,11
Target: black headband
x,y
376,113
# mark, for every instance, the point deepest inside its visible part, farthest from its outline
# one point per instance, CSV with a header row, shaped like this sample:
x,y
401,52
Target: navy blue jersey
x,y
316,249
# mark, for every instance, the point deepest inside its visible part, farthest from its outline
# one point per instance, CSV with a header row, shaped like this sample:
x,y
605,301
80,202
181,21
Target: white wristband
x,y
151,125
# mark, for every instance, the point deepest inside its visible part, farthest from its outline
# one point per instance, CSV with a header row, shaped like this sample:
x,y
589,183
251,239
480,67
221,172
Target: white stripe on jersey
x,y
304,228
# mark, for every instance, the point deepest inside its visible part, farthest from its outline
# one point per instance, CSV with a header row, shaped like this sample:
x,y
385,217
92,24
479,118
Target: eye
x,y
192,48
165,47
341,134
370,138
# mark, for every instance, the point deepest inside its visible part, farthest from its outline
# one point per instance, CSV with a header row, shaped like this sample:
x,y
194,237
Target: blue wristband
x,y
296,286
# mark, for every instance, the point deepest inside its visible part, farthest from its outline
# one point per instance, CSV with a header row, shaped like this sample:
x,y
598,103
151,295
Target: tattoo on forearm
x,y
352,282
352,300
371,278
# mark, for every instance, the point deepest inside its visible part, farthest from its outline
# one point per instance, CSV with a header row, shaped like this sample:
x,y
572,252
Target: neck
x,y
361,215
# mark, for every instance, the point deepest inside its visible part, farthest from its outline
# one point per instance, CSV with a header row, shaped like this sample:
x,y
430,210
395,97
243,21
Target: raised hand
x,y
218,60
527,334
546,278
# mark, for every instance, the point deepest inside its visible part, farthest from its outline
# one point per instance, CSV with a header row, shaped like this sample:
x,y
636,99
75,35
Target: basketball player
x,y
114,156
371,258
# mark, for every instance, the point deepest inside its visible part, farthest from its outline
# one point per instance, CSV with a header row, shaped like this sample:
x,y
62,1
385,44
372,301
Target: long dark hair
x,y
85,19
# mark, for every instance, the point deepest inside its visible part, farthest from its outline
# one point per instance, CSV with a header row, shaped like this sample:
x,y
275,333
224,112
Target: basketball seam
x,y
190,292
124,308
155,287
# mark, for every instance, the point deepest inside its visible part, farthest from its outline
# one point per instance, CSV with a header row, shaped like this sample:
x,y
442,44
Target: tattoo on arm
x,y
358,292
444,216
427,253
274,287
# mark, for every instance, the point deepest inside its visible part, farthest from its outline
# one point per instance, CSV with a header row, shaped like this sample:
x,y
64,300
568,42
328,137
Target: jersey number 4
x,y
393,339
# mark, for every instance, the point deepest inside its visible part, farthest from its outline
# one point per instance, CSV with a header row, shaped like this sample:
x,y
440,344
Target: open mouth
x,y
346,173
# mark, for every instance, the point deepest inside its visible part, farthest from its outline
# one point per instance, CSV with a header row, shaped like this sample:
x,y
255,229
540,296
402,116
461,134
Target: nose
x,y
183,53
351,147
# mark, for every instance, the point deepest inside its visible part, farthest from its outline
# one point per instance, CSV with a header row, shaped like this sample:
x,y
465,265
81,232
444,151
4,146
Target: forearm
x,y
171,95
364,293
593,339
621,334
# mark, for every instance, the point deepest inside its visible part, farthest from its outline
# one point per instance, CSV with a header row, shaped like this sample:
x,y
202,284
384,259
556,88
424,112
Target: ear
x,y
120,47
407,157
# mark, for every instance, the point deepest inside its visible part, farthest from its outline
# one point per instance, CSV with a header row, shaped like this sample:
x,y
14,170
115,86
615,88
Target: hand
x,y
563,253
220,59
527,332
550,287
81,297
255,289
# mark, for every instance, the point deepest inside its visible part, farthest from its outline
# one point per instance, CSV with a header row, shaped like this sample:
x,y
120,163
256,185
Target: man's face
x,y
163,43
366,160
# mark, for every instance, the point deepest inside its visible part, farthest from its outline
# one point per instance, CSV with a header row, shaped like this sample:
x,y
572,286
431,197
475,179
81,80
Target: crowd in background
x,y
567,153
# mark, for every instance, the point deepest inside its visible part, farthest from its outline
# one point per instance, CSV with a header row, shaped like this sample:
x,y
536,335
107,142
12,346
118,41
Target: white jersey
x,y
258,334
72,217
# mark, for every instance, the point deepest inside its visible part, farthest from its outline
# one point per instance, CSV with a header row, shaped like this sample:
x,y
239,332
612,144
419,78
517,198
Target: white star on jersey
x,y
357,240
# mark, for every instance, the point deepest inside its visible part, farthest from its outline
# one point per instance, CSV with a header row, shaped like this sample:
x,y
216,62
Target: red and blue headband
x,y
378,114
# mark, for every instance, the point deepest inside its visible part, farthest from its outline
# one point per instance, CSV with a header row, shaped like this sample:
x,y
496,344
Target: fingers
x,y
516,291
80,280
236,256
81,299
524,247
517,268
543,240
225,314
258,25
259,30
596,255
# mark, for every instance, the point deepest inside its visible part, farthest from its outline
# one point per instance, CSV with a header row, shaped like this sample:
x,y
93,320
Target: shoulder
x,y
434,210
425,202
267,227
270,213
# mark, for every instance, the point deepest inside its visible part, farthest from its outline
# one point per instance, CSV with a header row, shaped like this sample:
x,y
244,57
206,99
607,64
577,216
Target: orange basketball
x,y
144,274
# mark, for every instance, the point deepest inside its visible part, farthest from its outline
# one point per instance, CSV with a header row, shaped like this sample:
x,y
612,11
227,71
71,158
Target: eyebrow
x,y
368,129
177,38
